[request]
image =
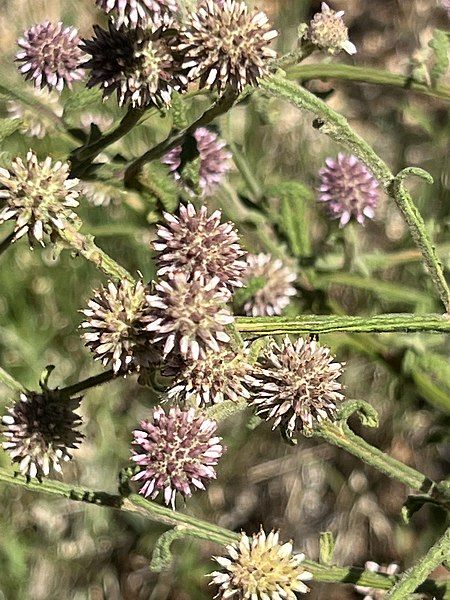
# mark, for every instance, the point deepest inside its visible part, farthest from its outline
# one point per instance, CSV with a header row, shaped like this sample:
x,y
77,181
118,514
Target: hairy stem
x,y
88,383
404,323
199,528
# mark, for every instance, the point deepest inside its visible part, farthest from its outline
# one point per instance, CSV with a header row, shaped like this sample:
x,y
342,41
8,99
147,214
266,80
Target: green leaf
x,y
440,44
8,127
178,112
326,548
80,101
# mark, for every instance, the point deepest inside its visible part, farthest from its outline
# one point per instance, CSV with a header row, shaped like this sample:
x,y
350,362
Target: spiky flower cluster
x,y
142,13
50,55
199,245
114,328
273,285
136,64
348,189
224,44
296,385
260,567
328,31
214,160
40,430
38,196
371,593
175,453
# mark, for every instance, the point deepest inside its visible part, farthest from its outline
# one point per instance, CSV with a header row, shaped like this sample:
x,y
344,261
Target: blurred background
x,y
58,550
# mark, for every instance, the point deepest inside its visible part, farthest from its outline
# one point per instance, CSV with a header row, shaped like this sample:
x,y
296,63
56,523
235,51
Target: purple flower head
x,y
349,189
142,13
175,453
214,160
200,246
50,55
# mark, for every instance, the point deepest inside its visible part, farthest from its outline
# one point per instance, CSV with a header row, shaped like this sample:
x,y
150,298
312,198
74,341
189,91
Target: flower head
x,y
188,317
328,31
275,290
371,593
175,453
50,55
349,189
38,196
142,13
200,246
212,379
114,328
136,64
261,568
40,431
214,160
223,44
295,385
34,123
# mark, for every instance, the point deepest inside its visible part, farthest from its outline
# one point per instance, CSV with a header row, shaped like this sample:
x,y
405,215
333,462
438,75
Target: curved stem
x,y
367,75
88,383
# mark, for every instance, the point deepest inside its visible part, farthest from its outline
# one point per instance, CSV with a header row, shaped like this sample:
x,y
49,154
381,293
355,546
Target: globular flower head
x,y
260,567
199,245
40,430
188,317
38,196
50,55
349,189
136,64
328,31
138,13
275,290
296,385
214,160
371,593
212,379
114,328
175,452
223,44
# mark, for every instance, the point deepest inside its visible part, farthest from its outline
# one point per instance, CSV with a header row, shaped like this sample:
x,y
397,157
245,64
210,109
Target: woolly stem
x,y
88,383
200,529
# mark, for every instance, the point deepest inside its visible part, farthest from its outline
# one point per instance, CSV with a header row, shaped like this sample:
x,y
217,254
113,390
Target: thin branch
x,y
88,383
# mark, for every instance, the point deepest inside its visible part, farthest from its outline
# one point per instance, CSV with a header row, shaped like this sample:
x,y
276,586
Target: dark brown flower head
x,y
225,45
175,453
328,31
40,430
50,55
200,246
39,197
136,64
296,385
189,317
138,13
215,378
114,328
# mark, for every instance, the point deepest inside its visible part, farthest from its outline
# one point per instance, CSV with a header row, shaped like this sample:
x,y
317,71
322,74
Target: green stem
x,y
405,323
10,382
412,578
88,383
337,127
367,75
6,243
223,104
198,528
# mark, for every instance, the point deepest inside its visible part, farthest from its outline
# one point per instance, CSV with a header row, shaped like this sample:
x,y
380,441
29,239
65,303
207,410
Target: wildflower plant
x,y
222,306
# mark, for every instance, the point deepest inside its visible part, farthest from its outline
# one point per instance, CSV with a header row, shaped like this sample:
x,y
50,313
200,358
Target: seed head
x,y
50,55
138,13
39,197
295,385
188,317
214,160
261,568
137,64
349,189
217,377
328,31
275,291
40,431
223,44
114,328
371,593
199,245
175,453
